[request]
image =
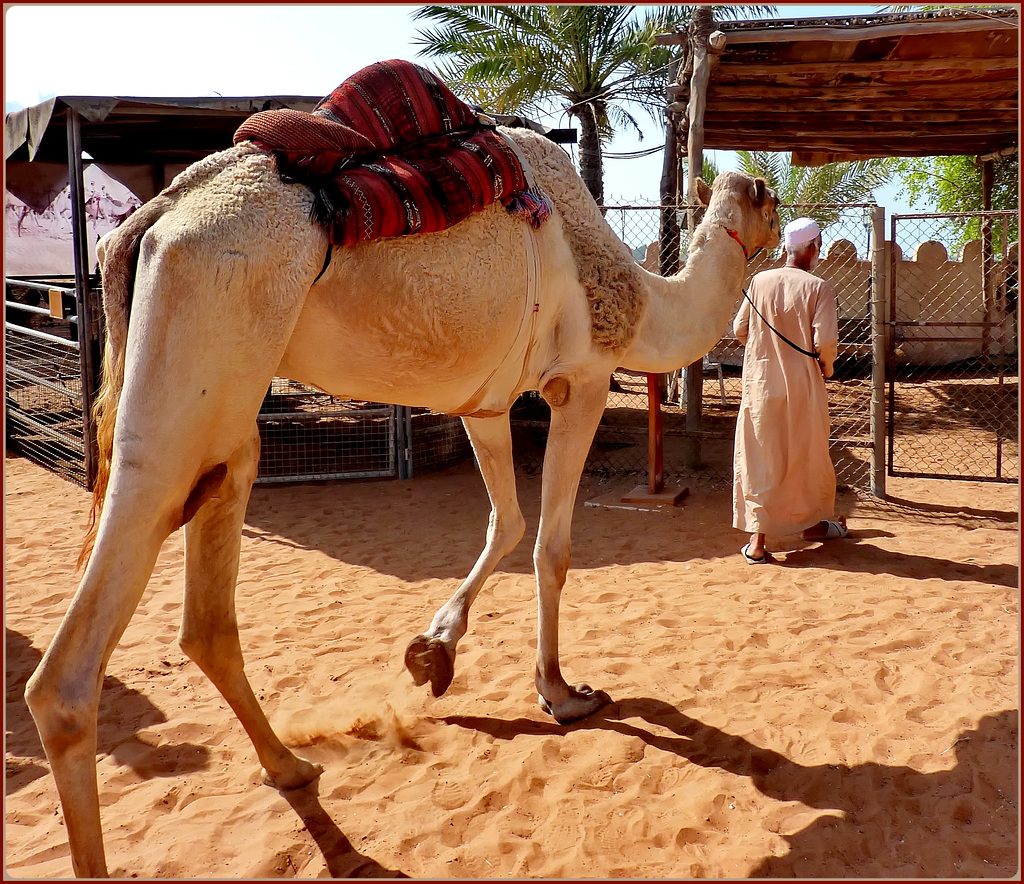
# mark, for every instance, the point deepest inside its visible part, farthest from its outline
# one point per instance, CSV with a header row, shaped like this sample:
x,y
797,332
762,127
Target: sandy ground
x,y
848,712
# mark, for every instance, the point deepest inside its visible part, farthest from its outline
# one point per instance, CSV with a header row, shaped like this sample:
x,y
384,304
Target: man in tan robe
x,y
784,481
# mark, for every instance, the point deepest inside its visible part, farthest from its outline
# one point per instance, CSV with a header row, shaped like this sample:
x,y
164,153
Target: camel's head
x,y
745,204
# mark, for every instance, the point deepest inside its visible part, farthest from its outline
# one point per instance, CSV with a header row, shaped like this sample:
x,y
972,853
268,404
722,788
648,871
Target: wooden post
x,y
655,491
987,182
879,349
700,30
655,439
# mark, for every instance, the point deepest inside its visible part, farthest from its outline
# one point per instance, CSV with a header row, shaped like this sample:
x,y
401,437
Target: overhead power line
x,y
633,154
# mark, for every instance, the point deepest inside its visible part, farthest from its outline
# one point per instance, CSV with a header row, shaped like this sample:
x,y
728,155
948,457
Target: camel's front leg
x,y
432,656
576,410
209,628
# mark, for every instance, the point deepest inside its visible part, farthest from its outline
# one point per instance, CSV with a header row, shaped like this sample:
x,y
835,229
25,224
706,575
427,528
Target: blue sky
x,y
150,50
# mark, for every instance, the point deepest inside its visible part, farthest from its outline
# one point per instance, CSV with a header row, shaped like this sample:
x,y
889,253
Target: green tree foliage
x,y
595,62
953,184
833,184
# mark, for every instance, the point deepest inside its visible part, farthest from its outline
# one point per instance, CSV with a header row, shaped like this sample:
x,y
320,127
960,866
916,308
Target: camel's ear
x,y
703,193
757,192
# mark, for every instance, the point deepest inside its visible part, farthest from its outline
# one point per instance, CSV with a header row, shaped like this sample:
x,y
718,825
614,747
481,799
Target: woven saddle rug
x,y
392,151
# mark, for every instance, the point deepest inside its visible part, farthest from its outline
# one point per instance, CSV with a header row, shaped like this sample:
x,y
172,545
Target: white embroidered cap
x,y
801,230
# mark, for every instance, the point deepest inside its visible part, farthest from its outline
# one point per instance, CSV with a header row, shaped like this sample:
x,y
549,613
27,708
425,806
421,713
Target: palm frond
x,y
592,61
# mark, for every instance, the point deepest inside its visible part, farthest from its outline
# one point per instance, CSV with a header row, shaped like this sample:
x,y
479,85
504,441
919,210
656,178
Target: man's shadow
x,y
123,711
894,821
855,555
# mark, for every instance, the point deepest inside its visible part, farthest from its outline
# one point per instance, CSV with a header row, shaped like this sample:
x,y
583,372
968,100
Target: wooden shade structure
x,y
936,83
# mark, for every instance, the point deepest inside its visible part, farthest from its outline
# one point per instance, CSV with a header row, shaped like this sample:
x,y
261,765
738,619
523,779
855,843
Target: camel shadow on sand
x,y
890,816
123,711
342,859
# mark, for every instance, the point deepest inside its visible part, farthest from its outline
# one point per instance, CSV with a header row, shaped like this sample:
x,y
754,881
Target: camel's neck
x,y
687,313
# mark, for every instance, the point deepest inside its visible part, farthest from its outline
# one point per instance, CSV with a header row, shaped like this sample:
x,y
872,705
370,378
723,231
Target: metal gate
x,y
953,347
46,395
308,435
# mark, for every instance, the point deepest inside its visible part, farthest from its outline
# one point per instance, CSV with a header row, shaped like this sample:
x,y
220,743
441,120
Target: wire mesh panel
x,y
620,445
436,441
308,435
953,392
43,378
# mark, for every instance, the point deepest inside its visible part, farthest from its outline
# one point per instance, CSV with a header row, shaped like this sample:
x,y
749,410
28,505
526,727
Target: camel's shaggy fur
x,y
609,275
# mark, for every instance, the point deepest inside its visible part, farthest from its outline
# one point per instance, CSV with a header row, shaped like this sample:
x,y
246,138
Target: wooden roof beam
x,y
996,154
918,117
822,104
881,146
995,90
947,65
1000,89
849,33
878,135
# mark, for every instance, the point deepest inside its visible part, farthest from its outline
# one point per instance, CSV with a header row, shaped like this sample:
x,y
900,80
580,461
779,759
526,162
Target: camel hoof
x,y
301,775
582,701
427,659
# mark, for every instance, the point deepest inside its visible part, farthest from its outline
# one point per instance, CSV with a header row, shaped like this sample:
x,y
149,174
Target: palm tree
x,y
833,184
592,60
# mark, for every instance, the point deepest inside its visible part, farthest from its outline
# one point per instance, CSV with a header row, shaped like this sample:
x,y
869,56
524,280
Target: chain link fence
x,y
620,445
952,401
308,435
953,344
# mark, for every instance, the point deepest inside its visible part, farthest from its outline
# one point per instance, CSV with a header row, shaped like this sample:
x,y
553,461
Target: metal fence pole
x,y
879,287
88,320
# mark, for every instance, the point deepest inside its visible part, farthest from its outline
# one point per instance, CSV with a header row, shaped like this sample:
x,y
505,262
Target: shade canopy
x,y
142,142
835,89
136,130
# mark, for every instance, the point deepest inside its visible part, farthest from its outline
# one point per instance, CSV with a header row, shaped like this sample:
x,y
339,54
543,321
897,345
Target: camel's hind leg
x,y
63,693
210,319
209,629
432,656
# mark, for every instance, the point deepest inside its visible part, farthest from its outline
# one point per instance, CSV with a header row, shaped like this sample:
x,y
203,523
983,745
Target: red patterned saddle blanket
x,y
393,151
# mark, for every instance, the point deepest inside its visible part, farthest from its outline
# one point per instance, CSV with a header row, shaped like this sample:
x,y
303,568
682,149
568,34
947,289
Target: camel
x,y
211,289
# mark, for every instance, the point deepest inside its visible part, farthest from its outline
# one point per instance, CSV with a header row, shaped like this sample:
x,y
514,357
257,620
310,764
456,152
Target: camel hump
x,y
391,152
605,266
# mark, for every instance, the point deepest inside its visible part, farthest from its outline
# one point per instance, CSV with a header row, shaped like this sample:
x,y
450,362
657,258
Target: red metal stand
x,y
655,491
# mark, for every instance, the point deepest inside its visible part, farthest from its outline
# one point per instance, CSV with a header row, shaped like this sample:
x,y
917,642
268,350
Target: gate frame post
x,y
881,282
89,312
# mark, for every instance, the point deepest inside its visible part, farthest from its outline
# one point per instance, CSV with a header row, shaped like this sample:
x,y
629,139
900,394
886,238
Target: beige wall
x,y
931,288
